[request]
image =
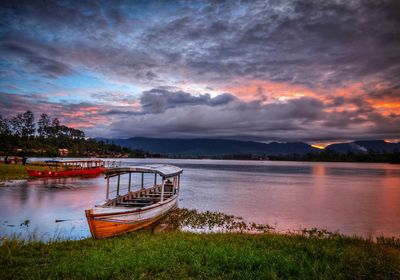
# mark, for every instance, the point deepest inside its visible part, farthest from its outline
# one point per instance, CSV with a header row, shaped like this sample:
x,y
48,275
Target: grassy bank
x,y
177,255
16,171
13,172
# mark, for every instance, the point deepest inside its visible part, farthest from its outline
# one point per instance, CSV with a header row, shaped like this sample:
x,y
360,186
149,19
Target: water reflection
x,y
351,197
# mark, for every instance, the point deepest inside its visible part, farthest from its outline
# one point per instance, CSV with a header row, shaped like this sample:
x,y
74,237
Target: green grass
x,y
13,172
177,255
16,171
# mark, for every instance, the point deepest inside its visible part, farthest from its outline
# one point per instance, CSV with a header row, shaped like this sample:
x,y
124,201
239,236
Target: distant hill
x,y
212,147
373,146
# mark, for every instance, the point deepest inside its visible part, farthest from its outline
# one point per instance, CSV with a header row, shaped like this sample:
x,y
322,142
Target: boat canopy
x,y
73,161
164,170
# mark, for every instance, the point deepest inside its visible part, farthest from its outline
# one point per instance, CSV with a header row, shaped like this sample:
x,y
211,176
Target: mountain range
x,y
220,147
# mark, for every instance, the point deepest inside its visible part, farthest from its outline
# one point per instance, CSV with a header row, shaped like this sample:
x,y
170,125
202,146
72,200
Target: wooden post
x,y
162,190
155,179
179,181
108,188
142,180
129,186
119,176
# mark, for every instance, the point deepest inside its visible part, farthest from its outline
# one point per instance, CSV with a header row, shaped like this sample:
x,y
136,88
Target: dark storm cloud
x,y
158,100
10,101
56,35
304,119
202,121
53,15
320,44
391,94
316,43
34,57
118,112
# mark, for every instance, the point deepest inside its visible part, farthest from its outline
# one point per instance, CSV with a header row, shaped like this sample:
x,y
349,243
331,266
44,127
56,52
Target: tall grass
x,y
13,172
178,255
16,171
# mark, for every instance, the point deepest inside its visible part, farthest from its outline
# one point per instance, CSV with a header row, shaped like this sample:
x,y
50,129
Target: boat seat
x,y
134,204
136,201
168,194
144,198
140,201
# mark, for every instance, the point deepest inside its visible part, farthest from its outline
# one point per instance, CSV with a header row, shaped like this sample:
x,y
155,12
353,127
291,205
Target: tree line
x,y
321,156
23,125
21,135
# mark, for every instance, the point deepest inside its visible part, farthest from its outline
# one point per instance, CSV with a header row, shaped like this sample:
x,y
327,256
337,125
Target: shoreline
x,y
15,172
12,172
197,222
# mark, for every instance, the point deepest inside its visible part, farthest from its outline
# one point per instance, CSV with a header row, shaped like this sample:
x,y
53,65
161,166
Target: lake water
x,y
353,198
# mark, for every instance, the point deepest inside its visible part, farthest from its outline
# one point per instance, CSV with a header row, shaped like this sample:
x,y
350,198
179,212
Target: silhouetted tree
x,y
17,125
19,132
44,124
28,124
54,129
4,126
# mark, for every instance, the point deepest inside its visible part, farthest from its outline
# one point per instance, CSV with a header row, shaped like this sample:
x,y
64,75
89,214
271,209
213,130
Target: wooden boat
x,y
55,168
135,209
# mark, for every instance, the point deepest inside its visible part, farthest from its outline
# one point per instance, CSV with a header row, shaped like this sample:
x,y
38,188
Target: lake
x,y
352,198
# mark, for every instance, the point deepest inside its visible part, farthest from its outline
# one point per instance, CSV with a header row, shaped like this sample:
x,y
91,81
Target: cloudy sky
x,y
314,71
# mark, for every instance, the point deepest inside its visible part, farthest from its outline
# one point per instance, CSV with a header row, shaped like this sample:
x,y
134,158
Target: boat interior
x,y
142,198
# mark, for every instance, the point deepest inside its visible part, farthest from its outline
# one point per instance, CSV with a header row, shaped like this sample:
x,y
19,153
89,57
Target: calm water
x,y
354,198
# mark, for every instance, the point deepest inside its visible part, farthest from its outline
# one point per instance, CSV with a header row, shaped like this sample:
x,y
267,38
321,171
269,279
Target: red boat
x,y
54,168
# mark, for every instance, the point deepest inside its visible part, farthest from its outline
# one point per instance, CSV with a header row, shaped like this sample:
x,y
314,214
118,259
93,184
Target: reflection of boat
x,y
135,209
55,168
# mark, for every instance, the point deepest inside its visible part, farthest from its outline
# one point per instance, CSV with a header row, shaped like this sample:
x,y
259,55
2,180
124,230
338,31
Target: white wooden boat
x,y
131,210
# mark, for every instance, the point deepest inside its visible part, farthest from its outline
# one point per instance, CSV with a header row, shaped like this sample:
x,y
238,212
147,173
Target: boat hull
x,y
117,221
68,173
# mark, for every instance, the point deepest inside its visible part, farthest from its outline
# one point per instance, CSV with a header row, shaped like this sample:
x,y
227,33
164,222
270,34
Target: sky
x,y
312,71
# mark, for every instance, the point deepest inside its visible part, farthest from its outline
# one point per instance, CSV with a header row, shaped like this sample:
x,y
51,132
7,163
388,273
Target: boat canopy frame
x,y
164,170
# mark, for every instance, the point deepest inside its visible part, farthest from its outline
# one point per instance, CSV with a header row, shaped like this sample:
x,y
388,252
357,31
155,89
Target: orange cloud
x,y
355,95
259,89
392,140
323,145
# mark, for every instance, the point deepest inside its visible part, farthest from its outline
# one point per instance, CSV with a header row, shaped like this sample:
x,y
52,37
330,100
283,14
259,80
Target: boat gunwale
x,y
128,212
127,222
